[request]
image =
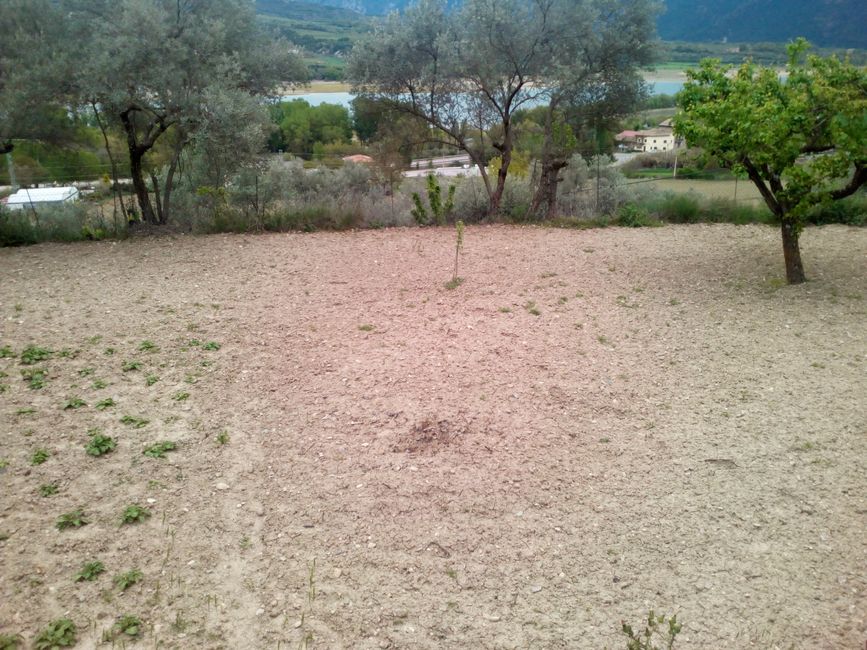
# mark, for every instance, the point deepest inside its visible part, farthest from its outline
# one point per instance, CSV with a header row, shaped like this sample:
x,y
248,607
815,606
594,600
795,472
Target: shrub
x,y
678,208
633,216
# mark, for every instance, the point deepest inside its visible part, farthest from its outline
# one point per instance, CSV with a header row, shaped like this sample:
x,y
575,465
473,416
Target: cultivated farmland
x,y
287,441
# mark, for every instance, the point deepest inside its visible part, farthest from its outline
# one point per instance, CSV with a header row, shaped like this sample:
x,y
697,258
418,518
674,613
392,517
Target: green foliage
x,y
657,629
74,519
439,211
150,380
90,571
134,514
99,445
39,456
634,216
104,404
59,634
128,625
48,489
181,396
126,580
130,366
147,346
74,403
35,377
34,354
223,437
211,346
134,422
6,352
11,641
302,127
801,138
159,449
67,223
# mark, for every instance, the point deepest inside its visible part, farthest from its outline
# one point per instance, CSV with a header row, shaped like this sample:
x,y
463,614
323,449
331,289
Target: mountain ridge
x,y
825,23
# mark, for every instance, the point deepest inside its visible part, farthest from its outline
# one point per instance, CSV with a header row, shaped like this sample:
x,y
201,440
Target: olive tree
x,y
800,137
464,72
154,69
592,78
467,72
34,74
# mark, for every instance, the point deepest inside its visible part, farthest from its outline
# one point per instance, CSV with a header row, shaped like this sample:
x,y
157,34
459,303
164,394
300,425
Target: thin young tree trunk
x,y
156,183
118,194
170,181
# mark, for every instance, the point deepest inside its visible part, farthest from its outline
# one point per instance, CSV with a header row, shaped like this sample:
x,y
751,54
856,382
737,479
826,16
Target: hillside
x,y
831,23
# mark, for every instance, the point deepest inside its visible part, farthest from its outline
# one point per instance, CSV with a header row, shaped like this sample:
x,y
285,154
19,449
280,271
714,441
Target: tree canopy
x,y
801,137
159,70
467,71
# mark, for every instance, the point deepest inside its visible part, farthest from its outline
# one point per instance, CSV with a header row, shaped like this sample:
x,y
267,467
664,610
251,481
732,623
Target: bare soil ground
x,y
415,467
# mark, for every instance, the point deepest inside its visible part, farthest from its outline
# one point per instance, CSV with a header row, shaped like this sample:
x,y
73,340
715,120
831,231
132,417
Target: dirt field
x,y
673,429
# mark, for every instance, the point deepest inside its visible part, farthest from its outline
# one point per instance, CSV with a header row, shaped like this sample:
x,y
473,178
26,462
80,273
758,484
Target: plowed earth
x,y
367,459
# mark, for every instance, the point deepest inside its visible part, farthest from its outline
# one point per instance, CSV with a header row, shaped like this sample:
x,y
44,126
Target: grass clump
x,y
159,449
180,396
33,354
90,571
35,377
657,628
130,366
223,437
40,456
48,489
6,352
134,422
126,580
211,346
147,346
100,445
134,514
74,519
531,308
74,403
366,328
11,641
454,283
150,380
59,634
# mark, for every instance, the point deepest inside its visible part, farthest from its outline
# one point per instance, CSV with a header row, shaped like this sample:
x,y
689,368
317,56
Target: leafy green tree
x,y
153,69
301,126
801,138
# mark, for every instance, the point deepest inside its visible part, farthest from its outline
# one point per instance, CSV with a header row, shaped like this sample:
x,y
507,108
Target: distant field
x,y
746,191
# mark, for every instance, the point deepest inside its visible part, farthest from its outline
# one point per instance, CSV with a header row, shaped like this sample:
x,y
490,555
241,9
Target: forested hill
x,y
829,23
